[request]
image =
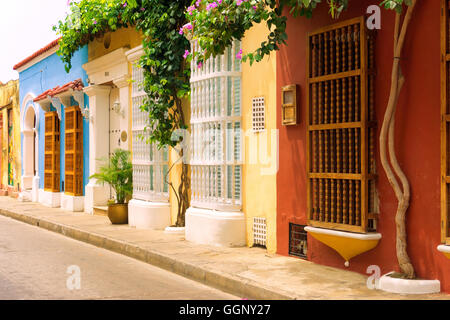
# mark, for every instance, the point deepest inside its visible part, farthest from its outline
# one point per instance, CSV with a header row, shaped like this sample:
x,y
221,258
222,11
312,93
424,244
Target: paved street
x,y
34,263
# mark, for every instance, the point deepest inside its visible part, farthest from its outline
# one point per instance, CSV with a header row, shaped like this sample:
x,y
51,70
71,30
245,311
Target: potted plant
x,y
118,173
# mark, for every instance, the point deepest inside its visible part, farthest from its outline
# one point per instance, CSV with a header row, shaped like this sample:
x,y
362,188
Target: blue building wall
x,y
47,74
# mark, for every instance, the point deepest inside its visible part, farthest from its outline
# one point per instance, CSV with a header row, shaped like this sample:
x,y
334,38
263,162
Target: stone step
x,y
101,211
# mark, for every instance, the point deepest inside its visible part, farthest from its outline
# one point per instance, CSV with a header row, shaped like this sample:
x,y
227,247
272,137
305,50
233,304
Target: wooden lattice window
x,y
74,152
51,166
341,130
445,122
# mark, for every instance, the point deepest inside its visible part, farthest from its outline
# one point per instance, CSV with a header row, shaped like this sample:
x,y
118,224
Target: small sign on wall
x,y
289,105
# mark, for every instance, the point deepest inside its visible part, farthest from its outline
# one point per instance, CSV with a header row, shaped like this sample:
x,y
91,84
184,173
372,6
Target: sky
x,y
26,27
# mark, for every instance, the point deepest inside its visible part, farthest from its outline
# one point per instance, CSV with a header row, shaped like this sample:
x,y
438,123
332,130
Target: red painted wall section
x,y
417,141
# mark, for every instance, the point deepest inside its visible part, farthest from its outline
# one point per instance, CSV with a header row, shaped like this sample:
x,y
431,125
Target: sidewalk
x,y
246,272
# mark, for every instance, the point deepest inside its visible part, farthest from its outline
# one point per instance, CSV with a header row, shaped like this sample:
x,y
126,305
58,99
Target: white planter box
x,y
148,215
215,228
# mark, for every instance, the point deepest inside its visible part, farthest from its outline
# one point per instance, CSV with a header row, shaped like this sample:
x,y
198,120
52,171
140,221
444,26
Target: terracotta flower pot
x,y
118,213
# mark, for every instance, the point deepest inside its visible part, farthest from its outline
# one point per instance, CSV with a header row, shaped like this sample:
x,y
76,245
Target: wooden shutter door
x,y
341,135
52,154
74,152
445,121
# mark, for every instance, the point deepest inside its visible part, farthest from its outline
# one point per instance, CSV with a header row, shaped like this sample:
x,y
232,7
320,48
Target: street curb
x,y
231,284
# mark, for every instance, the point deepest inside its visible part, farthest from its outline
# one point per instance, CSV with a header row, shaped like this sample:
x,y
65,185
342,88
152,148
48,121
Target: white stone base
x,y
96,196
35,189
148,215
215,228
50,199
25,196
71,203
175,230
405,286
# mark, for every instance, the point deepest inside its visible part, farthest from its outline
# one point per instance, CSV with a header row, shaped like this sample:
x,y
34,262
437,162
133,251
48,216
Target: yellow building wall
x,y
8,91
260,168
124,37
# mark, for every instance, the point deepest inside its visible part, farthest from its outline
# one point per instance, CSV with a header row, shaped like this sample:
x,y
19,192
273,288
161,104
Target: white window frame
x,y
150,165
216,132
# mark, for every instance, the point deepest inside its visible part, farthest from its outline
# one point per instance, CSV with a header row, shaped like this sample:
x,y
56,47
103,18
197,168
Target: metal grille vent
x,y
259,231
259,114
298,241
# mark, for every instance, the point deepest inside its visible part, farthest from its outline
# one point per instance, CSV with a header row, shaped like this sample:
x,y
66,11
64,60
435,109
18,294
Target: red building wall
x,y
417,141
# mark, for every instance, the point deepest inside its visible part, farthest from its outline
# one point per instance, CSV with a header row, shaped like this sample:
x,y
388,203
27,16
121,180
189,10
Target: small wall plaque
x,y
289,105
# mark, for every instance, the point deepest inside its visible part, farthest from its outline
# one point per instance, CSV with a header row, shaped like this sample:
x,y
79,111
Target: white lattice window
x,y
150,165
216,146
258,114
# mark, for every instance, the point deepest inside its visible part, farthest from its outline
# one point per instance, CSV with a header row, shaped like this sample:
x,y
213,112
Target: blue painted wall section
x,y
45,75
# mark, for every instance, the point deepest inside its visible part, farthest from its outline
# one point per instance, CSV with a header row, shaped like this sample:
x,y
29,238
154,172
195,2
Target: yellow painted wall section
x,y
260,169
124,37
8,91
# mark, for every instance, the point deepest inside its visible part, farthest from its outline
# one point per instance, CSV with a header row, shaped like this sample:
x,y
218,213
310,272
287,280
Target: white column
x,y
28,174
124,92
97,195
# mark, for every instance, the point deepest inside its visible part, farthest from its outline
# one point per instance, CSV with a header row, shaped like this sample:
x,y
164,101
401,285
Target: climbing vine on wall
x,y
215,24
166,78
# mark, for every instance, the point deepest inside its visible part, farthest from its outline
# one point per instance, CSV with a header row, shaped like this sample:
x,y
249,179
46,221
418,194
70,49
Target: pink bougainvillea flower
x,y
190,10
188,26
239,2
197,3
239,55
95,21
186,54
200,65
211,6
125,4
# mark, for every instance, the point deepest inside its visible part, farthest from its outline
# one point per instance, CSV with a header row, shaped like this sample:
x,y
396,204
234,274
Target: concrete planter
x,y
149,215
216,228
406,286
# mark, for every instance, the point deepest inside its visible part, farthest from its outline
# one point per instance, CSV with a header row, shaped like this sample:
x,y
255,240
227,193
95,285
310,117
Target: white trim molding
x,y
108,67
134,54
26,103
444,248
37,59
343,234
